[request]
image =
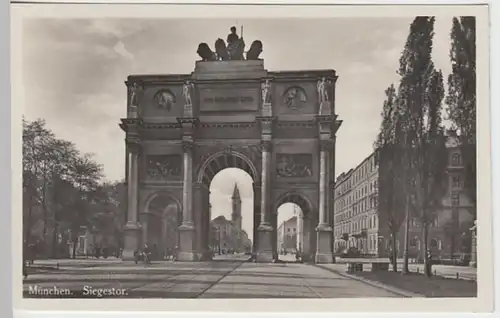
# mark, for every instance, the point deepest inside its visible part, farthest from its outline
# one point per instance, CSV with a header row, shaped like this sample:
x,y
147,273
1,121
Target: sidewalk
x,y
447,271
340,269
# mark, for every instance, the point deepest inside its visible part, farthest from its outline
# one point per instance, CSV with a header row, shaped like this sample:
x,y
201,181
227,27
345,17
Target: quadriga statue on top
x,y
234,50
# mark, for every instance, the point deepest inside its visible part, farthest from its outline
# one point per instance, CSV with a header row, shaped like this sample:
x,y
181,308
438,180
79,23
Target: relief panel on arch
x,y
164,167
161,102
294,165
295,99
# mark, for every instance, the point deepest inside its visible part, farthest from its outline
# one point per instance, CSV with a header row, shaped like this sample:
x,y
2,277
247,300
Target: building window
x,y
455,199
455,181
455,159
434,243
81,241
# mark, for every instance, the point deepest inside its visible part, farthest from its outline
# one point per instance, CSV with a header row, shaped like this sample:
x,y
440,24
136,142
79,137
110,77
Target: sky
x,y
74,72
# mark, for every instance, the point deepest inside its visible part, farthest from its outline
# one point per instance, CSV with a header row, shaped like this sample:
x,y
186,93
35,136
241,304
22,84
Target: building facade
x,y
287,236
228,237
356,215
360,224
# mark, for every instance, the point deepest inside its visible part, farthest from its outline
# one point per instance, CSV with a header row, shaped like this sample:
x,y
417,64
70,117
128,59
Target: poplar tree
x,y
390,205
461,99
421,136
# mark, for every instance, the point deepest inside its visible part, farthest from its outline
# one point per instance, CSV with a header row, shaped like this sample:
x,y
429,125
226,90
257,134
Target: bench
x,y
380,266
376,266
354,267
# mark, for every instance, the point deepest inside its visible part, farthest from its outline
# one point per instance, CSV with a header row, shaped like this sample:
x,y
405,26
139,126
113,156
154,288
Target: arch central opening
x,y
230,218
294,229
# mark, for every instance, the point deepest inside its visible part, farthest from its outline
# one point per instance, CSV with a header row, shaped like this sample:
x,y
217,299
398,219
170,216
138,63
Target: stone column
x,y
265,250
201,211
131,239
163,237
324,252
187,231
145,229
300,232
256,216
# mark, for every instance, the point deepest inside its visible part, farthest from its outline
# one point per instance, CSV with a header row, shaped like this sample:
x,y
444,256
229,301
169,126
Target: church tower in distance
x,y
236,215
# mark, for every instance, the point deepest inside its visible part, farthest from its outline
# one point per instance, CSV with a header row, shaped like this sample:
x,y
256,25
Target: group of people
x,y
148,253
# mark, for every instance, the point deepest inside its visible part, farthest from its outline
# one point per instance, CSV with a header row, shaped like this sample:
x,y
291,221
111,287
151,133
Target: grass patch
x,y
434,286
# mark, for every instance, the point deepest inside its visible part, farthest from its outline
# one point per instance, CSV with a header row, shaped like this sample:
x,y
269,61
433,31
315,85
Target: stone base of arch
x,y
132,241
187,244
324,253
264,244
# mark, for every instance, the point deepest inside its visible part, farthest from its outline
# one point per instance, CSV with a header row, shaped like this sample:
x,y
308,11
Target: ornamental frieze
x,y
163,167
294,165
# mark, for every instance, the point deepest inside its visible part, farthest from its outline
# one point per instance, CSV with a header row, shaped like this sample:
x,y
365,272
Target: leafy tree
x,y
461,98
58,180
36,156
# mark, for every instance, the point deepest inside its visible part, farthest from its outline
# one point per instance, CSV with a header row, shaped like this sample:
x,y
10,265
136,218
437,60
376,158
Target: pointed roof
x,y
236,192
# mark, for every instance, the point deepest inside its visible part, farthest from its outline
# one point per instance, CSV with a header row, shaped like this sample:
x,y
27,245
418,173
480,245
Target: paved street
x,y
229,278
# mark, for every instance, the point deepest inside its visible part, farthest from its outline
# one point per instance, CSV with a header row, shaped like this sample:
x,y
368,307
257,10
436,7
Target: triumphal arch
x,y
230,111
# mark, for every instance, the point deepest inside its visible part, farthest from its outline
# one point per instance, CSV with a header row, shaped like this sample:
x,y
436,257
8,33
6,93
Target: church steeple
x,y
236,204
236,193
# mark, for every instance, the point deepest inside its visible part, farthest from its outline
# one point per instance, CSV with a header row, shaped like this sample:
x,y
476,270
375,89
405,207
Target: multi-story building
x,y
287,236
359,223
355,208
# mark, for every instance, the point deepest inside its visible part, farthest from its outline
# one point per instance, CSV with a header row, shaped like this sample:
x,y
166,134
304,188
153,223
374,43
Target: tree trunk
x,y
394,253
44,206
54,240
74,250
427,267
407,237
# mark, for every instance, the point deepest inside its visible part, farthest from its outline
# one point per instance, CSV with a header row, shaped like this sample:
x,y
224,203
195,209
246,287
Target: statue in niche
x,y
135,90
294,98
187,89
266,92
324,88
165,100
294,165
161,167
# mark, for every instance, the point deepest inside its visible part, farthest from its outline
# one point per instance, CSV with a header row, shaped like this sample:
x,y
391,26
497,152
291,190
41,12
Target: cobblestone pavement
x,y
231,278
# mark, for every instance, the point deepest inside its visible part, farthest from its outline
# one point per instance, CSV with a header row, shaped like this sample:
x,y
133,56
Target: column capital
x,y
133,144
187,146
325,145
266,145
